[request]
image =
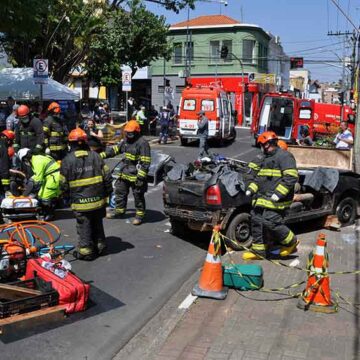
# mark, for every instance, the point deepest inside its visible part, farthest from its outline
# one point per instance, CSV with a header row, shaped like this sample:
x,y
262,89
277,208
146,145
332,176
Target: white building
x,y
278,63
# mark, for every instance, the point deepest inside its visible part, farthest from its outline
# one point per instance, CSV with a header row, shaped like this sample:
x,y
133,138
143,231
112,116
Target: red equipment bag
x,y
73,292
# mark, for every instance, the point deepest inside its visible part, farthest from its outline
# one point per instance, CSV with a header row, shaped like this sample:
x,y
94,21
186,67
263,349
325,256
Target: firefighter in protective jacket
x,y
55,133
4,168
272,191
29,133
87,178
45,180
133,171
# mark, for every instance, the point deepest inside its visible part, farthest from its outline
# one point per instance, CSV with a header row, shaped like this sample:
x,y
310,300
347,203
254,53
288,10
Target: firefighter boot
x,y
137,221
101,247
115,214
258,255
284,251
84,253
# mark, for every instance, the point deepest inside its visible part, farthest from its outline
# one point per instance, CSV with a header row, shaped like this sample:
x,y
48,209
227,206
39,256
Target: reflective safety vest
x,y
137,159
274,173
46,176
55,134
140,117
88,178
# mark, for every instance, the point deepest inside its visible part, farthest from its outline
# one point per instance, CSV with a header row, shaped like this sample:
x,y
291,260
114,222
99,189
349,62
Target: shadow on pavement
x,y
115,245
153,216
99,303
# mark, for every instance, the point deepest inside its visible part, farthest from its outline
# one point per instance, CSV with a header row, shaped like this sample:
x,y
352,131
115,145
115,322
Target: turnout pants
x,y
264,221
203,147
122,188
90,229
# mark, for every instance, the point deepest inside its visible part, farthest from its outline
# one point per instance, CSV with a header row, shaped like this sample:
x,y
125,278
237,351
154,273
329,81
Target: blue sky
x,y
301,25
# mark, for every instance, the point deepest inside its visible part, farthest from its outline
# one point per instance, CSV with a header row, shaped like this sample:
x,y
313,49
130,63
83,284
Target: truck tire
x,y
239,231
183,141
178,228
346,211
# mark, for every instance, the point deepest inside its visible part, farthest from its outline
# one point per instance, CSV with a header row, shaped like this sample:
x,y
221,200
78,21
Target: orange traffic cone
x,y
211,277
316,296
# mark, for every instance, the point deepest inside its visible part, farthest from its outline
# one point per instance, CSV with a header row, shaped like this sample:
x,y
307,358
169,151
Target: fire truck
x,y
286,115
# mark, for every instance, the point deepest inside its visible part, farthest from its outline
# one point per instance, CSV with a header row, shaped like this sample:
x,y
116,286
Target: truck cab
x,y
217,106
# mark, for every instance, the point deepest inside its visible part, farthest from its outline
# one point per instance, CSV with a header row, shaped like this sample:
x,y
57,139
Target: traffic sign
x,y
41,70
126,80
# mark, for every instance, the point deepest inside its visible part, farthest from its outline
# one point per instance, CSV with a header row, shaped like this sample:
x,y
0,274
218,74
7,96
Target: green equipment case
x,y
243,276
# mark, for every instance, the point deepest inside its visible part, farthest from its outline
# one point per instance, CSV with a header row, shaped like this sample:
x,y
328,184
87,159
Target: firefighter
x,y
9,136
55,133
29,133
272,191
4,168
45,180
133,171
88,179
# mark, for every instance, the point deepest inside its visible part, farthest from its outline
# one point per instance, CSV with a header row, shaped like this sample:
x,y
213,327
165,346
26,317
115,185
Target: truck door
x,y
225,119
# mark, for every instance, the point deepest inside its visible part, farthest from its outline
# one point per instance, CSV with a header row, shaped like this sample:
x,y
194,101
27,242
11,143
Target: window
x,y
215,47
190,50
189,104
305,114
249,51
263,52
178,55
207,105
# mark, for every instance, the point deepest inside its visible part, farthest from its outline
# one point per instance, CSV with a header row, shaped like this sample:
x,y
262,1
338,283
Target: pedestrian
x,y
29,133
203,132
10,102
95,136
88,179
305,138
164,124
12,120
44,181
132,173
272,191
55,133
142,120
153,118
344,139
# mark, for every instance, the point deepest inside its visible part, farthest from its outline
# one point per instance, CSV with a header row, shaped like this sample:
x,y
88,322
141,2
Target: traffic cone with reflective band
x,y
316,296
211,278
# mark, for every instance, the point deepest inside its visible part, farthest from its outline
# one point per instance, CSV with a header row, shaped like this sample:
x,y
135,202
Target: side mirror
x,y
351,119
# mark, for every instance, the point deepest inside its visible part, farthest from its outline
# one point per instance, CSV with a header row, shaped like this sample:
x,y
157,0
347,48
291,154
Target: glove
x,y
274,198
8,194
248,193
47,151
139,183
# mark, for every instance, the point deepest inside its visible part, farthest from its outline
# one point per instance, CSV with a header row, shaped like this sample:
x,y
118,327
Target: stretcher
x,y
19,208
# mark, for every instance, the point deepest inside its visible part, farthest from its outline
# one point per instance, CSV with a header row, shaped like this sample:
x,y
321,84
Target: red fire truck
x,y
286,115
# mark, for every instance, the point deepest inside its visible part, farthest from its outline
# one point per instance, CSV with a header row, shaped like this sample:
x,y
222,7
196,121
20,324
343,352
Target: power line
x,y
346,16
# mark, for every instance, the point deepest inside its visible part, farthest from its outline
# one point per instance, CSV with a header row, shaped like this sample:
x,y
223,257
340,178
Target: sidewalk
x,y
256,325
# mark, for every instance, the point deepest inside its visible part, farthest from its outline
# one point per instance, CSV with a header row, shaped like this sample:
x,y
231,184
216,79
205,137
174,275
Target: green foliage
x,y
174,5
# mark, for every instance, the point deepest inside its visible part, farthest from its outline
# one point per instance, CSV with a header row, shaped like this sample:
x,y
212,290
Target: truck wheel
x,y
183,141
239,231
346,211
178,228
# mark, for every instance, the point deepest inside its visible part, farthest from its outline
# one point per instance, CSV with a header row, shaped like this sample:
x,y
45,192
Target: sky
x,y
302,25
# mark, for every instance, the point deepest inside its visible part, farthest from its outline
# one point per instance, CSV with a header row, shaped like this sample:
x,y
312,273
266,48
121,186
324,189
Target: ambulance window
x,y
207,105
305,114
189,104
225,107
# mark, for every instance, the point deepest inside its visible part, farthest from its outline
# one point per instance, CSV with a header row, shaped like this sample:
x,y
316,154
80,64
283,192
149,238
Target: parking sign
x,y
41,70
126,80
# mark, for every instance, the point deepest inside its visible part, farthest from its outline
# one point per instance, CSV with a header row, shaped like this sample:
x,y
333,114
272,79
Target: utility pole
x,y
357,121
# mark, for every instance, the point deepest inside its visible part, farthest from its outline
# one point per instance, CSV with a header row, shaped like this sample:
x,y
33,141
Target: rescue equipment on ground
x,y
243,276
211,278
19,208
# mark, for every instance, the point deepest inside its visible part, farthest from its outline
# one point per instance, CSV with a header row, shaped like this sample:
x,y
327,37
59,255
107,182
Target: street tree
x,y
174,5
133,37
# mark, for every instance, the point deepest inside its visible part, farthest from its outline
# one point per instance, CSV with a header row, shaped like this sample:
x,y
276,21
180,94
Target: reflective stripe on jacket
x,y
55,134
29,135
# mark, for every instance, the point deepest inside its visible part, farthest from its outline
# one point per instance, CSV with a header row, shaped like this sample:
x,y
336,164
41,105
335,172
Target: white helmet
x,y
22,153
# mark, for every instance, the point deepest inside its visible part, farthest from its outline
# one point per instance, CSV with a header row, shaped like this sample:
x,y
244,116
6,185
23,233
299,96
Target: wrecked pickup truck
x,y
198,199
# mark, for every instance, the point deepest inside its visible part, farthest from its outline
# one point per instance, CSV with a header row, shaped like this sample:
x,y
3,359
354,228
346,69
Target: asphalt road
x,y
142,269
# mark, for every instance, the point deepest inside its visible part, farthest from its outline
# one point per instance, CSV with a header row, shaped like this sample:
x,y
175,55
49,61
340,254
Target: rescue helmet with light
x,y
77,135
266,137
132,126
282,144
23,153
54,108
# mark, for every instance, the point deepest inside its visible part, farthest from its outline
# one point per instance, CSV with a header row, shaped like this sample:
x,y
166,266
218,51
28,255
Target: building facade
x,y
196,60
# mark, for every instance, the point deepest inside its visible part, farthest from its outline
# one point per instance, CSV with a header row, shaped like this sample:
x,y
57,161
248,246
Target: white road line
x,y
187,302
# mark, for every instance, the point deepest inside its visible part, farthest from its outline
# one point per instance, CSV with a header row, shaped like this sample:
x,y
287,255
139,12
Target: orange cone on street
x,y
211,278
316,296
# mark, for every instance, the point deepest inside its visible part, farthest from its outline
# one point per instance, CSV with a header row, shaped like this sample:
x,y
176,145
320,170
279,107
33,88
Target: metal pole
x,y
243,88
41,92
127,105
357,122
164,82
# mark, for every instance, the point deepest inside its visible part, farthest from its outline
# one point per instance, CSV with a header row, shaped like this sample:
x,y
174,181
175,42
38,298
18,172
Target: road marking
x,y
244,153
187,302
294,263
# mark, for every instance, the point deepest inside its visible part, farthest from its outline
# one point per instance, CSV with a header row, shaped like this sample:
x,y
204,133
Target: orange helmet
x,y
9,134
11,152
54,107
132,126
77,135
282,144
23,111
266,137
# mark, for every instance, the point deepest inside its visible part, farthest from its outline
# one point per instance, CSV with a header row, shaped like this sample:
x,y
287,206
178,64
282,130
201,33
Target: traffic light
x,y
224,52
296,62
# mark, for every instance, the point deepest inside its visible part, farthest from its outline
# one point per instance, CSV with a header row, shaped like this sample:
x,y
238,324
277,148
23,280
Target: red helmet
x,y
282,144
54,107
132,126
9,134
266,137
77,135
23,111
